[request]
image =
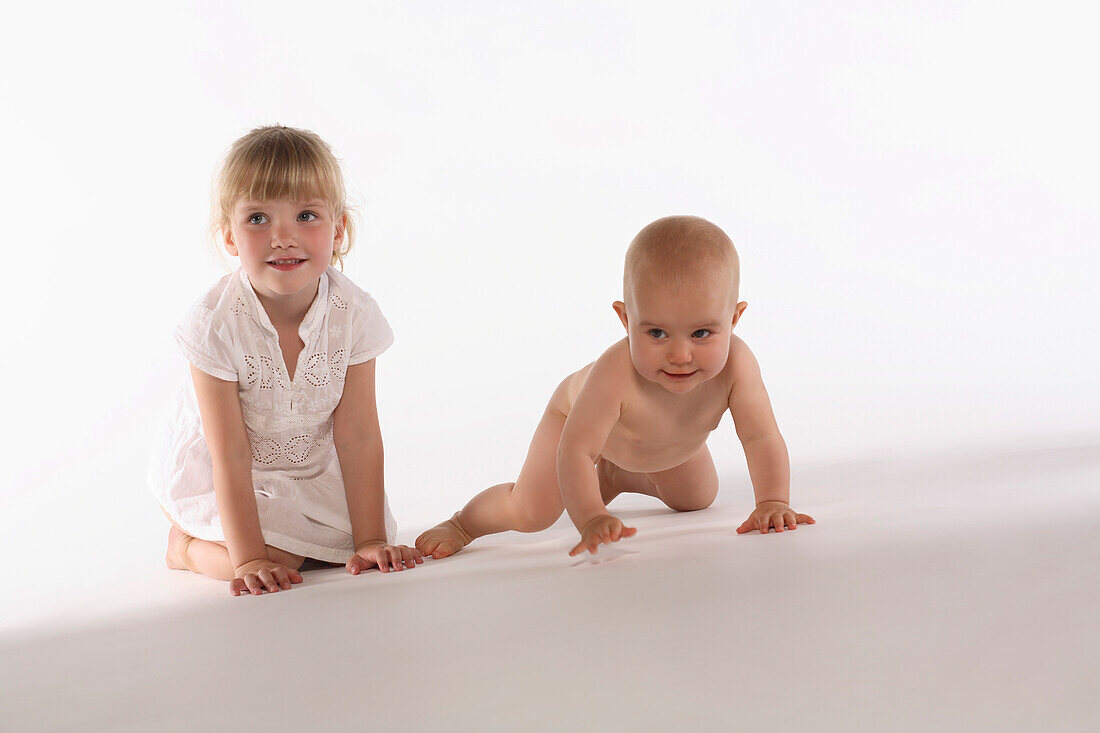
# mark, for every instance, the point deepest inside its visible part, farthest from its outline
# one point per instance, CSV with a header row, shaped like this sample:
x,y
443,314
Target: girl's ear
x,y
620,310
341,227
227,239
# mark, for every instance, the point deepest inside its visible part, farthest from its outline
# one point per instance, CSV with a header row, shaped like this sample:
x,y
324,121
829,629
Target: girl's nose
x,y
281,237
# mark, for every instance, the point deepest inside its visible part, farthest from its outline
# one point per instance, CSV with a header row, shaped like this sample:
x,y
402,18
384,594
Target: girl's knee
x,y
284,558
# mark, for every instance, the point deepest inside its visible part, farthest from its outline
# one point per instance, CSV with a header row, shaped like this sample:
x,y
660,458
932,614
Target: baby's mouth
x,y
678,376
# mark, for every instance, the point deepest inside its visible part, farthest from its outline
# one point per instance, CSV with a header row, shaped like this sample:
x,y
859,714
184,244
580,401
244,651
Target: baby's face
x,y
680,336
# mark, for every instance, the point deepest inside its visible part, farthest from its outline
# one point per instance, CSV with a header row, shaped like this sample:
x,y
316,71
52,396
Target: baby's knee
x,y
688,502
538,518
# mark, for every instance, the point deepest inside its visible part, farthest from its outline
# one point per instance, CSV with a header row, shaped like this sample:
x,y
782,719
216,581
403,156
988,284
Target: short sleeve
x,y
206,344
371,334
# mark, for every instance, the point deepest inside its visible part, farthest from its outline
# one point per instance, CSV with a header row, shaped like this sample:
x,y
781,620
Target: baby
x,y
636,420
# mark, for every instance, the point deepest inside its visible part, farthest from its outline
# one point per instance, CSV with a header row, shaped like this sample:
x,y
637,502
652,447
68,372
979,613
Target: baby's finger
x,y
792,523
237,586
577,549
804,519
407,557
356,565
615,532
629,531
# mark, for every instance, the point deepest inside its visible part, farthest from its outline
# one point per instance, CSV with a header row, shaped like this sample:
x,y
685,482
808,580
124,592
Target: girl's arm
x,y
231,454
358,441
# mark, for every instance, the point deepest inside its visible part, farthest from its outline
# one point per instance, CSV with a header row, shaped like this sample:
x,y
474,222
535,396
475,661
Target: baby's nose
x,y
679,354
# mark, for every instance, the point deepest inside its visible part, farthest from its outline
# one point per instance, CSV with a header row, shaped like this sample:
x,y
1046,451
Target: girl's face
x,y
284,246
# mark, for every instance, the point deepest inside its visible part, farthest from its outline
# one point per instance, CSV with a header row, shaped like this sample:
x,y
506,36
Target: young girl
x,y
275,455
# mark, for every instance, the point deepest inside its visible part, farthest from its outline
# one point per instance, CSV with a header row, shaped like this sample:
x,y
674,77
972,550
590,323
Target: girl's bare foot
x,y
446,538
176,556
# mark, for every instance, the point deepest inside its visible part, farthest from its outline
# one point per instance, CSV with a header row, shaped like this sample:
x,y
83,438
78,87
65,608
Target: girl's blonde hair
x,y
277,162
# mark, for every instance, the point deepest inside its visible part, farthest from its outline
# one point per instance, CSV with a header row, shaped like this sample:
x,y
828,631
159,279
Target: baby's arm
x,y
594,414
358,442
231,457
765,450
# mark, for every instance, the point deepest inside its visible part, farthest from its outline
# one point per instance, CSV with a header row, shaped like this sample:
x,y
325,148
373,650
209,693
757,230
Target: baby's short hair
x,y
681,249
277,162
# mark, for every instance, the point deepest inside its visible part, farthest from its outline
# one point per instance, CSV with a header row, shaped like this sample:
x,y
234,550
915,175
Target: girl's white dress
x,y
295,471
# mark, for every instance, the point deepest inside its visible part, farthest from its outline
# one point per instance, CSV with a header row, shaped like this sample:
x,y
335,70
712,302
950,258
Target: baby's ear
x,y
620,310
737,311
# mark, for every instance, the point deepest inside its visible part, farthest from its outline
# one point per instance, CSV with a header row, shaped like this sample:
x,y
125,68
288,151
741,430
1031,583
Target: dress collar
x,y
312,320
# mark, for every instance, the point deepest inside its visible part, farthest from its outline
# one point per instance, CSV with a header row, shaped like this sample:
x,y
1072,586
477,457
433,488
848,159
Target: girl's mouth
x,y
287,263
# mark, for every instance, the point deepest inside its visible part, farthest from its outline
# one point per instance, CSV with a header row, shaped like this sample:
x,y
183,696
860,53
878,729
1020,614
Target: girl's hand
x,y
776,514
257,575
601,530
385,557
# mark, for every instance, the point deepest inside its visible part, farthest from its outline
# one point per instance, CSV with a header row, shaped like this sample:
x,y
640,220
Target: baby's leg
x,y
690,486
531,504
212,558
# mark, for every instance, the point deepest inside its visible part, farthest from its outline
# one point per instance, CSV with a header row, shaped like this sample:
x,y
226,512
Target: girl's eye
x,y
656,333
702,333
307,216
256,218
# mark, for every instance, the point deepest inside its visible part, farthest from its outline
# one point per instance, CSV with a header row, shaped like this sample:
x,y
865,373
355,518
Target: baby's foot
x,y
446,538
178,540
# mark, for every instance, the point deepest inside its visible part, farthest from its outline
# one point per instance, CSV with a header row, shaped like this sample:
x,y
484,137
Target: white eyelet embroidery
x,y
338,302
316,372
296,450
238,308
337,364
264,450
263,367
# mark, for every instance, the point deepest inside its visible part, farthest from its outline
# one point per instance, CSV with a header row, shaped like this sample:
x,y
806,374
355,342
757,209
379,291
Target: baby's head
x,y
679,302
277,163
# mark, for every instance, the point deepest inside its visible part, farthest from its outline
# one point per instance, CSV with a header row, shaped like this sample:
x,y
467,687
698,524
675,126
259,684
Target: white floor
x,y
937,592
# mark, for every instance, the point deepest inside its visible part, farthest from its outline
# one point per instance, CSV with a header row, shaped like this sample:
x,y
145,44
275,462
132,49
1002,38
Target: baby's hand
x,y
602,530
776,514
386,557
257,575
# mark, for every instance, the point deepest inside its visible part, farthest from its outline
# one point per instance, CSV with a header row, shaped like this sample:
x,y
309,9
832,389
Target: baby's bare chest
x,y
655,436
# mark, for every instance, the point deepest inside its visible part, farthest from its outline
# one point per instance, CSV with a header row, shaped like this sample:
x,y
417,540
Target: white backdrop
x,y
912,188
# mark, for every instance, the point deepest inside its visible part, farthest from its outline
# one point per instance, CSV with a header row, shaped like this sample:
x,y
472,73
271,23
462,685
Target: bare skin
x,y
637,419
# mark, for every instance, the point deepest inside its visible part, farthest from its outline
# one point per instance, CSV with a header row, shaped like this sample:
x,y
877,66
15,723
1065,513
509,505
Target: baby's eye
x,y
307,216
702,333
256,218
656,333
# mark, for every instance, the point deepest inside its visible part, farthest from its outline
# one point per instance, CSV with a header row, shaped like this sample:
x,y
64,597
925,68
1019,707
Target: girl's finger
x,y
253,584
268,580
281,577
